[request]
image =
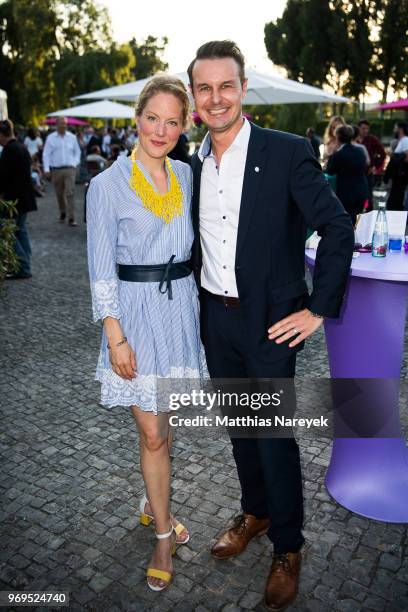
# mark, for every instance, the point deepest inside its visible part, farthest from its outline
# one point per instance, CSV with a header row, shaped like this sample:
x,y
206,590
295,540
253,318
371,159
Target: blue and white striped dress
x,y
163,333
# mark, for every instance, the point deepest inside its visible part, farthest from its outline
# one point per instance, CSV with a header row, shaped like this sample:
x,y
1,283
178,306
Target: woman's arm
x,y
102,229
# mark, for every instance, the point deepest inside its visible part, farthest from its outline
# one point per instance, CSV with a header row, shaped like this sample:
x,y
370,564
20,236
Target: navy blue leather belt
x,y
160,273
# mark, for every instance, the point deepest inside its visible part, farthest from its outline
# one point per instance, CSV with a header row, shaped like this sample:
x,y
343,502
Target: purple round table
x,y
370,475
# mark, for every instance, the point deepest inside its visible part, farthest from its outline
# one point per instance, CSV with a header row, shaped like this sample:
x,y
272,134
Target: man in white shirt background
x,y
61,156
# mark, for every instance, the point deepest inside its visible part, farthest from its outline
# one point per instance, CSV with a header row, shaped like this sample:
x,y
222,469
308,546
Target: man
x,y
314,141
61,156
349,165
16,185
376,152
397,169
255,192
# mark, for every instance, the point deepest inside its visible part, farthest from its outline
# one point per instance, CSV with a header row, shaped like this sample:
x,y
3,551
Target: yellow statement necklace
x,y
166,206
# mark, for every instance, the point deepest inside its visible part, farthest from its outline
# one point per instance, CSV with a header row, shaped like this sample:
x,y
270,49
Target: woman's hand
x,y
122,357
123,361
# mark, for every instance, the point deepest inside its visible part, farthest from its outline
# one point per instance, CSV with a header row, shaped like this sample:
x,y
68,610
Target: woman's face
x,y
160,125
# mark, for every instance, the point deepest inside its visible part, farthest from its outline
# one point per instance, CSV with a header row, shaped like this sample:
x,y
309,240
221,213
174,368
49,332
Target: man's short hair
x,y
363,122
218,49
7,128
344,134
403,125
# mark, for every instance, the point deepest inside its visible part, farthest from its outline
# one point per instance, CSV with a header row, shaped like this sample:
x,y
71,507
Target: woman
x,y
349,165
138,213
329,138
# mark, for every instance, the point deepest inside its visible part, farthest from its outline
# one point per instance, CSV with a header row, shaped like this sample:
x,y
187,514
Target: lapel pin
x,y
256,169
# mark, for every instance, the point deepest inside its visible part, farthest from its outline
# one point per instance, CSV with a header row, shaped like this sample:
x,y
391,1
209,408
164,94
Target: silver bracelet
x,y
317,316
123,341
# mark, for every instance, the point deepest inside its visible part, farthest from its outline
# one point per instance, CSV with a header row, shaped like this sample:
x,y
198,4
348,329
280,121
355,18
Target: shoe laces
x,y
281,562
240,524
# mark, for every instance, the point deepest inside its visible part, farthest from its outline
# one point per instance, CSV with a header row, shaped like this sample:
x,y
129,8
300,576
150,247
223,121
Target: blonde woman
x,y
139,242
329,139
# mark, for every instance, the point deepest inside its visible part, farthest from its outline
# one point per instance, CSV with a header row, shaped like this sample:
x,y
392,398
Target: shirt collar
x,y
240,142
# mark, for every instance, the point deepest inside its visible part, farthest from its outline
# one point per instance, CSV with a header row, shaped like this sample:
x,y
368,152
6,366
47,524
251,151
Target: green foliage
x,y
148,56
8,258
51,50
347,44
94,69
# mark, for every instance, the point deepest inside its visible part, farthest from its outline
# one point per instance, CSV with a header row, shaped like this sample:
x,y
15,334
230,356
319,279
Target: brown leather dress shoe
x,y
235,540
283,581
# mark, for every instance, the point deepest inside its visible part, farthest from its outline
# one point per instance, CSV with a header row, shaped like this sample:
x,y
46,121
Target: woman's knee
x,y
153,440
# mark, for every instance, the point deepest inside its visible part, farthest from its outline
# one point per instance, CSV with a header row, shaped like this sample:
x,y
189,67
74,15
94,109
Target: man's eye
x,y
204,88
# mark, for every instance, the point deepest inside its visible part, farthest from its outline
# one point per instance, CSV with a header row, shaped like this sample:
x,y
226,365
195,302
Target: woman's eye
x,y
173,123
151,118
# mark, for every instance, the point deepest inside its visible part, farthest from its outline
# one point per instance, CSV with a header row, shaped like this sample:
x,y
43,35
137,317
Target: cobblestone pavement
x,y
70,480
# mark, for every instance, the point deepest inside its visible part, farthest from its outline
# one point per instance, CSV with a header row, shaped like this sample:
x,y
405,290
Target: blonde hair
x,y
329,134
165,83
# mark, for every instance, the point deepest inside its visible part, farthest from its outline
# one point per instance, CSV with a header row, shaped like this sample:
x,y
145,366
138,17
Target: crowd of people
x,y
357,160
350,155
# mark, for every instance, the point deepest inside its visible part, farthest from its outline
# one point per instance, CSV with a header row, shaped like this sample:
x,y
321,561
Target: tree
x,y
94,69
34,37
392,47
148,56
348,44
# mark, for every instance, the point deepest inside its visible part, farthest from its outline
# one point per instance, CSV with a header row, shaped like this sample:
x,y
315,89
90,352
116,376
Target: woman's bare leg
x,y
155,466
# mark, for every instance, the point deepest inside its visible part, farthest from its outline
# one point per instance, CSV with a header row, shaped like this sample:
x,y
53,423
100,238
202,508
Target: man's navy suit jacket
x,y
284,192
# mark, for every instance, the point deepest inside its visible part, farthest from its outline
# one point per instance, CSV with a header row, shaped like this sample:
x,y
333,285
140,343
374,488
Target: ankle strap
x,y
143,503
163,536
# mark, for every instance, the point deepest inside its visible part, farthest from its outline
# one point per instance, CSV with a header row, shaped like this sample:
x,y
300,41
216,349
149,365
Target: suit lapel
x,y
254,168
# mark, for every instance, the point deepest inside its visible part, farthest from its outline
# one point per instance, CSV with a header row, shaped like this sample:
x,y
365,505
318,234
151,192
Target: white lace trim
x,y
145,391
105,300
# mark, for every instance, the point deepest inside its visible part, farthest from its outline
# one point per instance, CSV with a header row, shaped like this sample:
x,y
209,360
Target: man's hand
x,y
300,324
47,175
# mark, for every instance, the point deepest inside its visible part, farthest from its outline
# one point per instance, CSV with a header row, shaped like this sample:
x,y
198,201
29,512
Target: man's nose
x,y
215,97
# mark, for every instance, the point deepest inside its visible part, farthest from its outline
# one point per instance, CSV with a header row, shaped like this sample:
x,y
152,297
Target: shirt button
x,y
220,191
224,241
225,291
224,217
225,267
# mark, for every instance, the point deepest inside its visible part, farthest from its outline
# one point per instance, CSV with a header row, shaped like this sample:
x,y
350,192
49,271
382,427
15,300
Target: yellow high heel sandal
x,y
153,572
147,519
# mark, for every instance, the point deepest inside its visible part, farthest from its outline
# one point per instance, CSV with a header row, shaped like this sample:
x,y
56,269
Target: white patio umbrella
x,y
105,109
262,89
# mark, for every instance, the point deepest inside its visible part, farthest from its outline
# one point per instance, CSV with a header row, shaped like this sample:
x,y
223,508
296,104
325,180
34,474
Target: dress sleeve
x,y
102,230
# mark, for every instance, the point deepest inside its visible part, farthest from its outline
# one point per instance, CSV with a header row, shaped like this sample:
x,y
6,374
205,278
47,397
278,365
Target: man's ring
x,y
295,331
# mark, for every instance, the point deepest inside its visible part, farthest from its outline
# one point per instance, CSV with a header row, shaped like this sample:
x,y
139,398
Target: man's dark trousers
x,y
268,468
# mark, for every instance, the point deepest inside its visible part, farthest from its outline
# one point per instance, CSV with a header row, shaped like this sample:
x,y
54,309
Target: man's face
x,y
218,92
61,125
364,130
397,131
3,140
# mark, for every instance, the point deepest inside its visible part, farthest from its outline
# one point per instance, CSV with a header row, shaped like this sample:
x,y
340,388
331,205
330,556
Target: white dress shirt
x,y
220,201
402,145
61,151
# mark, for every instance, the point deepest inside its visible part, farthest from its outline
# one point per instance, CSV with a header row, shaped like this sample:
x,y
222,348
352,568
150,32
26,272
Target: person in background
x,y
376,152
356,143
61,156
349,164
116,151
330,141
33,142
16,185
314,141
106,144
397,169
181,150
95,156
94,140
